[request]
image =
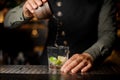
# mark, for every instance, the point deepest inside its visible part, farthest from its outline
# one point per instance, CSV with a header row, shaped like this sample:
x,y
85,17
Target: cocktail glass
x,y
57,56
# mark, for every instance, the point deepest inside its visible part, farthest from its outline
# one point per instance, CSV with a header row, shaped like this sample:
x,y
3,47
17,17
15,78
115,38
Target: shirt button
x,y
63,33
60,23
65,43
59,13
20,18
59,4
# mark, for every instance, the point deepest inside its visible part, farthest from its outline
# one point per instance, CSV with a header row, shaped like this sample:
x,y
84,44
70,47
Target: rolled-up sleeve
x,y
13,16
106,31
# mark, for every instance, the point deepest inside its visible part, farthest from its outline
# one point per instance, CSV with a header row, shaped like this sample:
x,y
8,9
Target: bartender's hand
x,y
30,6
78,62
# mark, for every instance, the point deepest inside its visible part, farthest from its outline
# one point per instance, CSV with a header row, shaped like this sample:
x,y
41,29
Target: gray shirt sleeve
x,y
106,31
14,16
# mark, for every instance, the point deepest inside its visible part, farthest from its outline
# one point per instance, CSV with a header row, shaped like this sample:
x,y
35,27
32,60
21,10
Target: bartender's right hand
x,y
30,6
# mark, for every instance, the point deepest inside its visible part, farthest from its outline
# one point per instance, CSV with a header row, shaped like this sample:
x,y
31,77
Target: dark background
x,y
20,40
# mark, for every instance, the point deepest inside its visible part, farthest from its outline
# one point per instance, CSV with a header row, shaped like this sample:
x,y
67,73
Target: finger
x,y
70,66
86,68
44,1
67,63
75,57
39,2
28,7
63,68
33,4
82,64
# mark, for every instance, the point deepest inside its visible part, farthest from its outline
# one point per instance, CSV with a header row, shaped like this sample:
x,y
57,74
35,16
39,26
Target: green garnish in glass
x,y
54,60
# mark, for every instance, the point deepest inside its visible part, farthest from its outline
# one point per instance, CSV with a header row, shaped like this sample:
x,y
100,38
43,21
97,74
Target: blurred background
x,y
24,45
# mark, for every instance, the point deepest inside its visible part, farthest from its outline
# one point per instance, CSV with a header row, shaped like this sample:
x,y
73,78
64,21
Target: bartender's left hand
x,y
78,62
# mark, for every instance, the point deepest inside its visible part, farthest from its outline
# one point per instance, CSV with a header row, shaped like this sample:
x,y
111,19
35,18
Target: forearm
x,y
106,31
102,47
14,17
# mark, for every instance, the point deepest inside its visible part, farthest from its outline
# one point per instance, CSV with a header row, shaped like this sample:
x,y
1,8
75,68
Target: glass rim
x,y
60,47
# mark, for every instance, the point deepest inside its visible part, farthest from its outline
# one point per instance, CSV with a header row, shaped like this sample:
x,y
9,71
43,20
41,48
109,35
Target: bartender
x,y
86,26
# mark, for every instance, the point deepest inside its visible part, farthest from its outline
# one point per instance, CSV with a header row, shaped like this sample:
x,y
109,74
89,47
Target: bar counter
x,y
107,71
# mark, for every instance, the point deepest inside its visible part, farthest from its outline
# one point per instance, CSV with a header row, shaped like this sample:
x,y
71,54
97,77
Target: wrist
x,y
89,56
26,17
